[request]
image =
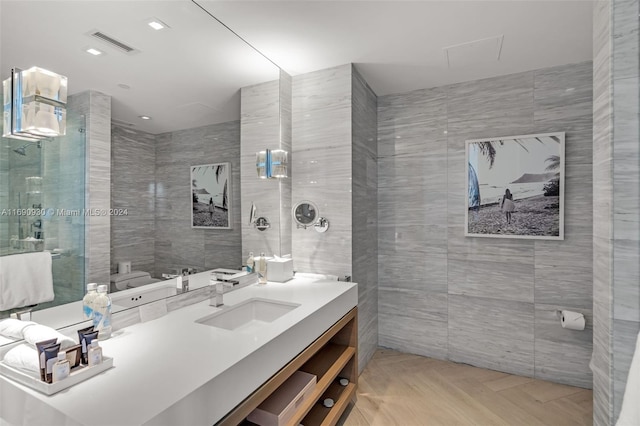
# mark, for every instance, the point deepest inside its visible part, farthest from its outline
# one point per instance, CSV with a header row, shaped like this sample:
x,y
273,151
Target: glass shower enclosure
x,y
42,200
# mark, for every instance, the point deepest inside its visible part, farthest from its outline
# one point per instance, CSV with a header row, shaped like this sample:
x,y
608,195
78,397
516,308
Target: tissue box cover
x,y
279,269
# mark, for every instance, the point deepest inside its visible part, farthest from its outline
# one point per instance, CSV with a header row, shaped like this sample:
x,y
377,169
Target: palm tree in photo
x,y
554,163
553,187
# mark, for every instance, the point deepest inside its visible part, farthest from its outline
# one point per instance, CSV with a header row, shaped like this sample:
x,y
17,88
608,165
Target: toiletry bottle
x,y
87,300
262,269
95,354
185,282
102,313
251,263
62,367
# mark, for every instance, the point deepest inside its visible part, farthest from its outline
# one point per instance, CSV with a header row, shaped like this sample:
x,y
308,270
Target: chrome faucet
x,y
220,286
216,298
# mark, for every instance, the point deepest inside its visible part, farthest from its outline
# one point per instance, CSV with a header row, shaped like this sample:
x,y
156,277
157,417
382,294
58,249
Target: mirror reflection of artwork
x,y
515,187
210,196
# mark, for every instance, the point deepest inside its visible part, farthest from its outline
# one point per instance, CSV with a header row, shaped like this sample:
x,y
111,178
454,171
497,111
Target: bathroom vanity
x,y
185,368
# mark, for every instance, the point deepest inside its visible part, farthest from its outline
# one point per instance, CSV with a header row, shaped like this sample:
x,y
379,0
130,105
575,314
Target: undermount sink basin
x,y
141,297
250,313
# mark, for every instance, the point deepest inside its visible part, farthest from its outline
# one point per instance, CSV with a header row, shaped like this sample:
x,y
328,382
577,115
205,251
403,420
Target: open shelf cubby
x,y
331,356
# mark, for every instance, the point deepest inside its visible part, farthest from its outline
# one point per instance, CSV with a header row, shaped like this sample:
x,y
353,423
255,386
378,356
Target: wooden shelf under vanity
x,y
331,356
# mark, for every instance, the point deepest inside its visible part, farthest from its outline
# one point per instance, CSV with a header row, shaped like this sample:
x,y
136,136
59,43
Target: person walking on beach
x,y
211,208
507,205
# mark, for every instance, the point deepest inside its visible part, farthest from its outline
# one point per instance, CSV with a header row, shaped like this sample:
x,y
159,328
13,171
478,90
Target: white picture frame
x,y
527,168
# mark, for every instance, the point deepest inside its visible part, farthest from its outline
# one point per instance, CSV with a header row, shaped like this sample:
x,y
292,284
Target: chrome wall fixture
x,y
34,104
306,215
260,223
272,163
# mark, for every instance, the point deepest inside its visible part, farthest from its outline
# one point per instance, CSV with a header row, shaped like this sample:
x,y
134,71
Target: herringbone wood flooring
x,y
409,390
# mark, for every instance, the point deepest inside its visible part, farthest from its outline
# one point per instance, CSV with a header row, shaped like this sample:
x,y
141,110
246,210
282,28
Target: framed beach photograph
x,y
210,189
515,187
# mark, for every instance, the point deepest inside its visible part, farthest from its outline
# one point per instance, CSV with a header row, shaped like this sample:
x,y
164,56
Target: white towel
x,y
23,356
25,279
38,332
630,412
13,327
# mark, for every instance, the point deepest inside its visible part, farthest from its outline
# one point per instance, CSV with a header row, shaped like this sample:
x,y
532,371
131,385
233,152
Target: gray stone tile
x,y
490,333
491,279
409,270
626,304
562,355
625,336
419,304
564,271
411,335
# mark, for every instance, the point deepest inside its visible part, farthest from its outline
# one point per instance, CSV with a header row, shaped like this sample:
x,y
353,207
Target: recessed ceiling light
x,y
144,117
157,24
93,51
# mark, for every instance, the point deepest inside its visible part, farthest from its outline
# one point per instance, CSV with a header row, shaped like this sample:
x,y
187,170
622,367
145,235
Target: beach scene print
x,y
515,186
210,195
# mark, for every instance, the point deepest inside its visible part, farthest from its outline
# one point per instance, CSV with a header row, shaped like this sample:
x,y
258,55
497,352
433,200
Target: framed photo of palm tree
x,y
210,189
515,187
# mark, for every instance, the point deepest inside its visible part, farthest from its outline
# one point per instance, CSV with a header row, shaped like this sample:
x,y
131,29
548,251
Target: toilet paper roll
x,y
124,267
572,320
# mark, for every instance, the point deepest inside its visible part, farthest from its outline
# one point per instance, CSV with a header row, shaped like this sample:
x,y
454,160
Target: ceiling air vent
x,y
112,41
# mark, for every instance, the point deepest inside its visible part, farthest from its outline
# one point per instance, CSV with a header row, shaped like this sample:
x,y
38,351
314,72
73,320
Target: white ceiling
x,y
189,75
398,45
183,77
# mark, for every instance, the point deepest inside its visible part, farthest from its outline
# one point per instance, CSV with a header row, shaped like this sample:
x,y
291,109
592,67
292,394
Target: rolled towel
x,y
13,328
23,356
38,332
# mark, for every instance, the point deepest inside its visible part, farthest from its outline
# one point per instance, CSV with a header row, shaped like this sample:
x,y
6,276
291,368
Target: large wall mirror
x,y
145,105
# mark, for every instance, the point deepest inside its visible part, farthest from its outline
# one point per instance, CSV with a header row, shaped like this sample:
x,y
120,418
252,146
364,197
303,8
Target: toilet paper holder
x,y
571,320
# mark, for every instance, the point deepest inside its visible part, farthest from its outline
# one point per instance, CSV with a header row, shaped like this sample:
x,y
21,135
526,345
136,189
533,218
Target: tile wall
x,y
97,109
626,191
177,244
616,201
334,166
133,177
602,215
322,162
364,187
151,180
486,302
259,130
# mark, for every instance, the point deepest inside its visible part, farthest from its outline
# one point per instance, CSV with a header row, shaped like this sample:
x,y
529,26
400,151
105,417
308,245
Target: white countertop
x,y
175,371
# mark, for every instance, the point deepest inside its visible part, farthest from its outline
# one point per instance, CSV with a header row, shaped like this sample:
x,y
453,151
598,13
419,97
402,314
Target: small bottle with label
x,y
94,354
251,263
62,367
262,269
87,300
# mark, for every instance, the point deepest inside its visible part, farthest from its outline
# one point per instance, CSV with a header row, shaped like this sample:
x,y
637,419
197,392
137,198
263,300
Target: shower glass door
x,y
42,199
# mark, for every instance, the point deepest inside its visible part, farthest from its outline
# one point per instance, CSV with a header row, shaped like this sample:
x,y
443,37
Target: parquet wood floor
x,y
410,390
